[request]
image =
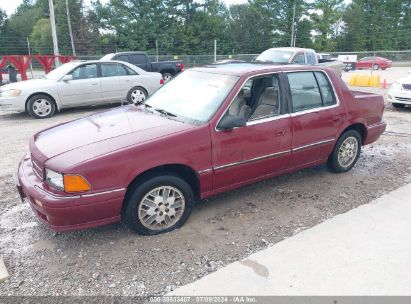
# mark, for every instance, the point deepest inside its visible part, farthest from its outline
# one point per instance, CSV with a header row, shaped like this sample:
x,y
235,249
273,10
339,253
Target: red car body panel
x,y
383,63
113,148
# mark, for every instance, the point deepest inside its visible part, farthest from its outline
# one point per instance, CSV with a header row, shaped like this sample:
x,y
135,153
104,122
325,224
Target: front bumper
x,y
13,104
67,212
399,96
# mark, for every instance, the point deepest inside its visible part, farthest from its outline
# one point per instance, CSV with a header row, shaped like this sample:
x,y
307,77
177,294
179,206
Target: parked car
x,y
298,56
374,63
79,83
168,69
210,130
400,92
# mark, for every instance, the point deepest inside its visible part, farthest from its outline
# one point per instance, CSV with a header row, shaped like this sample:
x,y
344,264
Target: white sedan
x,y
79,83
400,92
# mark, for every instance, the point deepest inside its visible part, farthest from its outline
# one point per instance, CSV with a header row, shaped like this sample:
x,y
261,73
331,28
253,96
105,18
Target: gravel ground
x,y
112,260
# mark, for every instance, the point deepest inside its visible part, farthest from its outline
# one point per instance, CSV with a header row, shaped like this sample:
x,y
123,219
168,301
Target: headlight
x,y
55,179
396,86
70,183
10,93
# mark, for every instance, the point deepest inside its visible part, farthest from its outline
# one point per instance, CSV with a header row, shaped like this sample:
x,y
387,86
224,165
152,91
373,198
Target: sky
x,y
10,5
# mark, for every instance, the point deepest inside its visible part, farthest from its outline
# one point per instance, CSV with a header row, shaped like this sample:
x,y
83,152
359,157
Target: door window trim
x,y
337,104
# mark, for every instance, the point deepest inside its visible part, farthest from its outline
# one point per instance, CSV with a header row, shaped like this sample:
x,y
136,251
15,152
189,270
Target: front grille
x,y
37,168
403,99
406,86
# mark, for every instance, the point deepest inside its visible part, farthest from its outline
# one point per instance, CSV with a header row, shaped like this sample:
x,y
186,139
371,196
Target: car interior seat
x,y
267,104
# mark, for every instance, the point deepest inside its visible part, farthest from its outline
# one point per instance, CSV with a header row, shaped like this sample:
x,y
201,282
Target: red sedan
x,y
210,130
374,63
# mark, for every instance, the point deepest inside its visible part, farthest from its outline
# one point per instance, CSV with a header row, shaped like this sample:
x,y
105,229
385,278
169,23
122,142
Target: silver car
x,y
79,83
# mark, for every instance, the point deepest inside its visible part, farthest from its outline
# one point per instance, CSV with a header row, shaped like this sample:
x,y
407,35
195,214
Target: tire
x,y
136,94
343,157
138,215
398,105
167,77
383,69
375,67
40,106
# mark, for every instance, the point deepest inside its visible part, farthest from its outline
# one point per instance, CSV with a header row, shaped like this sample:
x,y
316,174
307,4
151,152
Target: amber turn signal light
x,y
75,183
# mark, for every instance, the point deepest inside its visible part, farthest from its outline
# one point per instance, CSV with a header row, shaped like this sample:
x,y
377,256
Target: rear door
x,y
140,60
316,116
83,89
114,78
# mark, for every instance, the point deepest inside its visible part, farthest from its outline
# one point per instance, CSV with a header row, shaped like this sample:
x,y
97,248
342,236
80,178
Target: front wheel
x,y
375,66
346,152
40,106
136,95
398,105
160,204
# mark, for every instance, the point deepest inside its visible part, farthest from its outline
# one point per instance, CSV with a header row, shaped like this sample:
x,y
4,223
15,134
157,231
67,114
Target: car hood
x,y
111,129
28,84
405,80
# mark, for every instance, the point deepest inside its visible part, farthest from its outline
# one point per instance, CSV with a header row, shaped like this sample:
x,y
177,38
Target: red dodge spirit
x,y
211,129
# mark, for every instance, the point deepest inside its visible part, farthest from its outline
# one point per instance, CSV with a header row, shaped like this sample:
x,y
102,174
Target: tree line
x,y
190,26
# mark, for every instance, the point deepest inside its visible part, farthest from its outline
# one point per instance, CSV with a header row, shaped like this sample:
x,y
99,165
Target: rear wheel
x,y
398,105
375,66
159,204
346,152
167,77
136,95
40,106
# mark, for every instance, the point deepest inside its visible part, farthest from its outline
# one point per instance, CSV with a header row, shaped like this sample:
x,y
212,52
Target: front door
x,y
263,146
317,116
83,89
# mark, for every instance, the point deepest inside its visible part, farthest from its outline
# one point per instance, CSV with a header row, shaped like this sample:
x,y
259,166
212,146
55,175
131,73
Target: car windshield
x,y
274,56
60,71
193,95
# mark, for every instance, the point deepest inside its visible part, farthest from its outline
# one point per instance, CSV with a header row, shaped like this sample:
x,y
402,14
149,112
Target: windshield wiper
x,y
143,104
164,112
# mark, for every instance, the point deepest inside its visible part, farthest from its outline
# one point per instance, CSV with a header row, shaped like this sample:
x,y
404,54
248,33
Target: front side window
x,y
258,98
193,95
85,72
122,58
112,69
299,59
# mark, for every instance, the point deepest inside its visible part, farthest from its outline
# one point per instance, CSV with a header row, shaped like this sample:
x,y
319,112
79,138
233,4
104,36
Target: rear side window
x,y
327,92
122,58
305,93
138,59
112,69
311,58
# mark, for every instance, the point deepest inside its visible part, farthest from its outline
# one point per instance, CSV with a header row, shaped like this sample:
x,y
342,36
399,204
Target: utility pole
x,y
293,28
31,65
215,50
70,31
156,50
53,31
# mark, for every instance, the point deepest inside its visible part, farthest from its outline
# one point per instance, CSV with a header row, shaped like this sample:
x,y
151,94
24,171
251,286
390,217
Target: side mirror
x,y
230,122
67,78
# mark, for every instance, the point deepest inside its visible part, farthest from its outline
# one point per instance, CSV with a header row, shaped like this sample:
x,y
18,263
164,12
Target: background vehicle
x,y
374,63
211,130
400,92
298,56
79,83
167,68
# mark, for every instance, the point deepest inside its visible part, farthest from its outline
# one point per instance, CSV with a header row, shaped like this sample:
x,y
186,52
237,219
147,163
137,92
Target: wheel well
x,y
172,72
183,171
42,93
360,128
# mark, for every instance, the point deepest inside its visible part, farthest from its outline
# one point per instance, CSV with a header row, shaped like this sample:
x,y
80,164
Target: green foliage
x,y
191,26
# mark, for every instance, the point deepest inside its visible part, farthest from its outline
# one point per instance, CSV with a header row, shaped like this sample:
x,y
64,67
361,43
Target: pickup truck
x,y
299,56
167,68
236,124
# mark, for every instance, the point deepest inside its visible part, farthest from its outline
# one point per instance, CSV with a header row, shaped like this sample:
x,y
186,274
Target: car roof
x,y
240,69
292,49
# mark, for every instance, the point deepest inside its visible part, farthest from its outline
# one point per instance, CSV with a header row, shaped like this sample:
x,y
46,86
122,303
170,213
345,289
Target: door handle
x,y
94,83
280,133
336,118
